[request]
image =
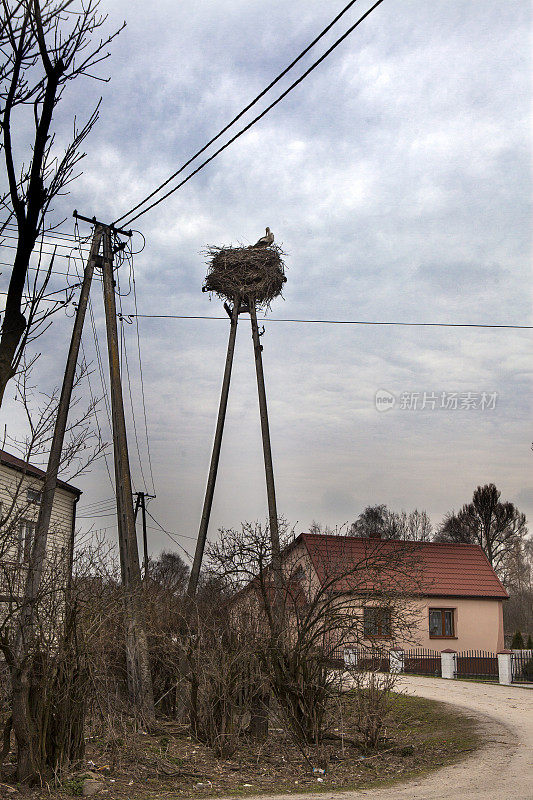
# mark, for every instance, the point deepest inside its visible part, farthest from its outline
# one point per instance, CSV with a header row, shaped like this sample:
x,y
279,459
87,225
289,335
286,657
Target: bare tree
x,y
379,522
320,606
23,639
497,527
44,45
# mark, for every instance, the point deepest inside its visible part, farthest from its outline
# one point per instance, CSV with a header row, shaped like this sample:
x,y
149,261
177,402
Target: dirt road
x,y
502,770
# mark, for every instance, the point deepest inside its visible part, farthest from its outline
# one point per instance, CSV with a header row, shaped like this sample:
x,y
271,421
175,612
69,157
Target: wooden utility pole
x,y
140,503
215,456
267,451
136,642
38,552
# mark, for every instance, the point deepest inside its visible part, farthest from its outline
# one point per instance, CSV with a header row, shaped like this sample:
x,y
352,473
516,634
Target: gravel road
x,y
501,770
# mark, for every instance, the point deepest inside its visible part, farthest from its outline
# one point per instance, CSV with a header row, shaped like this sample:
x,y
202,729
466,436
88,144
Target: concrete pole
x,y
136,642
215,456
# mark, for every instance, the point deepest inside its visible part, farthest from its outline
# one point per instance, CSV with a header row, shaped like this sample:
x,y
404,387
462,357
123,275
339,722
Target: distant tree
x,y
529,645
518,641
170,571
373,523
497,527
379,522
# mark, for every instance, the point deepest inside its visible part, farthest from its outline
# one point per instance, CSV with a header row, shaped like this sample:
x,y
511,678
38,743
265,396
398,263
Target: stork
x,y
266,240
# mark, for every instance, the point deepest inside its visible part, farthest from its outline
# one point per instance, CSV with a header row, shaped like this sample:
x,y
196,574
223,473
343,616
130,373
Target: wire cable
x,y
348,322
244,110
246,127
142,380
169,535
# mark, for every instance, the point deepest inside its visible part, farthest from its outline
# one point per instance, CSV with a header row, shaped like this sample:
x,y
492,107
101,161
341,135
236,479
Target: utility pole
x,y
136,642
140,502
38,553
215,456
267,451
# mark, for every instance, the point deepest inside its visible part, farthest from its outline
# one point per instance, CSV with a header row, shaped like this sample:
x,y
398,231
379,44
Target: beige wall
x,y
478,624
13,482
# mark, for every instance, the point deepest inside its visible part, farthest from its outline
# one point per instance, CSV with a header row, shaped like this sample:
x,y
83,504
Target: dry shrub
x,y
372,704
226,684
255,274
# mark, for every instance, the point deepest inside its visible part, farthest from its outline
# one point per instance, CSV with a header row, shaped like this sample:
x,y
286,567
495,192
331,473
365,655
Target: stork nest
x,y
256,274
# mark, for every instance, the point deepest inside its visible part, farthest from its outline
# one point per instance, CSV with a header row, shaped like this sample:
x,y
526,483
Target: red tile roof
x,y
443,570
22,466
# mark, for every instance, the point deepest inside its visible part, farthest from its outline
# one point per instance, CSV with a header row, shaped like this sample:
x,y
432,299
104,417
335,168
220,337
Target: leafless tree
x,y
321,607
31,625
380,522
44,45
498,527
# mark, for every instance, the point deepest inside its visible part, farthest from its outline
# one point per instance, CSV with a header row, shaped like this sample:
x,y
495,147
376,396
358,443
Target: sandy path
x,y
501,770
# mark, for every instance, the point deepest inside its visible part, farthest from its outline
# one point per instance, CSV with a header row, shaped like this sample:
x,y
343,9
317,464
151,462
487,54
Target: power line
x,y
346,322
169,535
125,361
244,111
246,127
142,380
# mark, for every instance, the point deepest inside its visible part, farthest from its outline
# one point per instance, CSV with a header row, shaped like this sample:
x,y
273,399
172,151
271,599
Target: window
x,y
377,622
33,496
441,623
26,533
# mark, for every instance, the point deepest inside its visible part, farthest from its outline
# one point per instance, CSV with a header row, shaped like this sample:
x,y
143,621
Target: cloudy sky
x,y
397,178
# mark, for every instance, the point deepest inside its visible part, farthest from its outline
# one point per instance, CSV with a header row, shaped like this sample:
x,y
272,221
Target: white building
x,y
20,487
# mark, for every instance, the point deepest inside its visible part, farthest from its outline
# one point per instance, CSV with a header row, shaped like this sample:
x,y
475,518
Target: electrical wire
x,y
347,322
142,380
169,535
246,127
244,110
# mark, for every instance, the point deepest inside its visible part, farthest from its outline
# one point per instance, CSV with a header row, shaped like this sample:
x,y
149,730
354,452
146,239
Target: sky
x,y
397,179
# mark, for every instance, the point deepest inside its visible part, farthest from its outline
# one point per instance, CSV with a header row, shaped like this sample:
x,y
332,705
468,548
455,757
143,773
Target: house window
x,y
33,496
377,622
26,534
441,623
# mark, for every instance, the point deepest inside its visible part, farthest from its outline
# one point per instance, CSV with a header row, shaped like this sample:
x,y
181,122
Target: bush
x,y
529,645
518,641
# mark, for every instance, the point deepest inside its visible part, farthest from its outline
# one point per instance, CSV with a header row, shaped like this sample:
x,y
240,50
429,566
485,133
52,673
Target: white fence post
x,y
396,660
448,660
350,657
505,667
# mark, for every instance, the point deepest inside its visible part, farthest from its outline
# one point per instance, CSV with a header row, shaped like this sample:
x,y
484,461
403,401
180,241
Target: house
x,y
20,487
450,592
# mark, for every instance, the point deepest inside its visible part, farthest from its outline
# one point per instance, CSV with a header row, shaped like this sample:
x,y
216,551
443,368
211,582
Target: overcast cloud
x,y
397,178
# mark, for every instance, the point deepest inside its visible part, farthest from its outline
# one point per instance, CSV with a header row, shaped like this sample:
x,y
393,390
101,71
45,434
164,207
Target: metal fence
x,y
522,666
422,662
375,659
477,664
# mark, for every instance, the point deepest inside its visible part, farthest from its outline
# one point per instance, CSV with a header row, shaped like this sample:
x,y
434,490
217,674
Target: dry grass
x,y
421,735
254,274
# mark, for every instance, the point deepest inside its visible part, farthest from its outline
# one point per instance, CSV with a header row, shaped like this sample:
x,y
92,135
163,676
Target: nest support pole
x,y
267,451
215,456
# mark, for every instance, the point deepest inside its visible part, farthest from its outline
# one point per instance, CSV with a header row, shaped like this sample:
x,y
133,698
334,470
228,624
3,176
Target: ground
x,y
420,735
426,734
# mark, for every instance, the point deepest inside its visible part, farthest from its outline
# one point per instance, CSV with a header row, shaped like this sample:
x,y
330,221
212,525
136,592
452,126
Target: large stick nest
x,y
256,274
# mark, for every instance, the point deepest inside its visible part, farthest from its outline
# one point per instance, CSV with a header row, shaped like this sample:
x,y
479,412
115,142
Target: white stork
x,y
266,240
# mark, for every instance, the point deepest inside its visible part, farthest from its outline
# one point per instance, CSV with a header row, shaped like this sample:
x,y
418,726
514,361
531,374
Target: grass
x,y
420,735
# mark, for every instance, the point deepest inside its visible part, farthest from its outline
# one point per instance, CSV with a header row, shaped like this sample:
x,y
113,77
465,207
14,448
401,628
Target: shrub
x,y
529,645
518,641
